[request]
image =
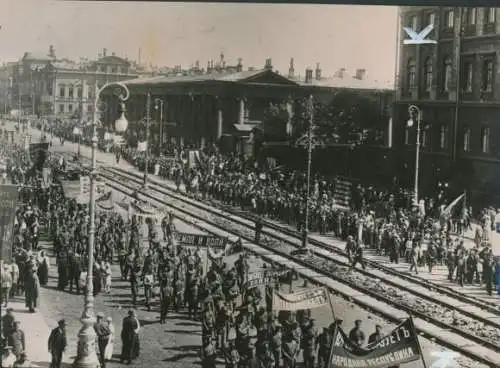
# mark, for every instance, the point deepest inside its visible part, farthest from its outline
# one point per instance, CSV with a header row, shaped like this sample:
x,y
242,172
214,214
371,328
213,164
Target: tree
x,y
276,117
349,117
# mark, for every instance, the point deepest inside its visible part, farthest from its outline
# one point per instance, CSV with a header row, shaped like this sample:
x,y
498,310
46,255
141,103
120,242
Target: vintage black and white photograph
x,y
249,185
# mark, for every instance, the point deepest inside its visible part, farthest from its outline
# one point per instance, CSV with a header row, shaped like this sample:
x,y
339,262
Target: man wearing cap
x,y
376,336
57,344
16,340
102,331
309,344
356,335
8,324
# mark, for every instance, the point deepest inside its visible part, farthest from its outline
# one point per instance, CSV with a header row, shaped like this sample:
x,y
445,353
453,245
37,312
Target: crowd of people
x,y
234,324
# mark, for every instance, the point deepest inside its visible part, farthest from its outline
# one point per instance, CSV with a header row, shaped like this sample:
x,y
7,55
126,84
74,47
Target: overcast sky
x,y
174,33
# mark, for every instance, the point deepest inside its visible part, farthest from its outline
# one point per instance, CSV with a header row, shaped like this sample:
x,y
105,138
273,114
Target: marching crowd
x,y
235,325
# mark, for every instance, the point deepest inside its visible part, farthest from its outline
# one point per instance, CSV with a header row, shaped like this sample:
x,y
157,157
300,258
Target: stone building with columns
x,y
224,105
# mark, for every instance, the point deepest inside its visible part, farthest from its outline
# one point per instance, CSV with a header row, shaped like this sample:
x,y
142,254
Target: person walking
x,y
108,352
17,340
57,344
130,338
102,331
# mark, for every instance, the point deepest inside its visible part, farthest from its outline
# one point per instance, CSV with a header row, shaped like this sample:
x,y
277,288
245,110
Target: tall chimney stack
x,y
317,72
239,66
269,64
309,76
291,69
104,52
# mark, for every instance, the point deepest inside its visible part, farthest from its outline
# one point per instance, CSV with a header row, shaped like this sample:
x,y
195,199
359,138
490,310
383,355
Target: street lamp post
x,y
412,110
310,144
77,131
148,119
159,103
86,352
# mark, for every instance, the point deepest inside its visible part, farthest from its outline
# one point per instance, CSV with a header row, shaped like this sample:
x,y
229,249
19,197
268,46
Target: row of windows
x,y
71,91
469,17
62,109
444,136
487,74
112,69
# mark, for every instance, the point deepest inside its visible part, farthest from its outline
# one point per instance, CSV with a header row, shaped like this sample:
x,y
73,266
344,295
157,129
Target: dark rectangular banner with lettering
x,y
398,347
8,202
200,240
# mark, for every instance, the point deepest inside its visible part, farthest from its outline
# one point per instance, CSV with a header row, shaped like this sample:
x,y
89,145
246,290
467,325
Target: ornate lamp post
x,y
159,103
86,352
77,132
412,111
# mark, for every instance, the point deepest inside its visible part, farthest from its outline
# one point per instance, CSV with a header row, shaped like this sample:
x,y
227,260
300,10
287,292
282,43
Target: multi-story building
x,y
50,86
456,85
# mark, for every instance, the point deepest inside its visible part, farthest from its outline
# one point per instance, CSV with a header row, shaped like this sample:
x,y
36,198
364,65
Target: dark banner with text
x,y
264,277
8,203
200,240
398,347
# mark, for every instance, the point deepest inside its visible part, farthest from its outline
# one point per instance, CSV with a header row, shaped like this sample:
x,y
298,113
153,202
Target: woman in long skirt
x,y
43,268
108,352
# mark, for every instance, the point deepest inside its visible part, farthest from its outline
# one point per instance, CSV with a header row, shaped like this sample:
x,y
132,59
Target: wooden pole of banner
x,y
331,304
418,342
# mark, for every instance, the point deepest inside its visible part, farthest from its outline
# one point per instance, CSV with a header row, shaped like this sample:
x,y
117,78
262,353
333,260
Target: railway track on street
x,y
477,326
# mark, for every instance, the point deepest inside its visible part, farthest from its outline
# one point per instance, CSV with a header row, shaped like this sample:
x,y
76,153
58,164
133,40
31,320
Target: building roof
x,y
348,81
255,76
32,56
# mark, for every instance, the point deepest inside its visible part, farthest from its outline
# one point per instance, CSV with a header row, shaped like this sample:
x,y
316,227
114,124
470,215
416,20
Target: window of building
x,y
443,136
485,140
466,139
489,15
89,108
448,72
487,73
62,90
70,92
425,138
430,19
79,92
113,69
61,108
449,19
428,74
412,22
89,92
467,76
469,16
407,135
411,77
70,108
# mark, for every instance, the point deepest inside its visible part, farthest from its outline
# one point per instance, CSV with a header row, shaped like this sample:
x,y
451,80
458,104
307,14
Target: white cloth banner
x,y
142,146
307,299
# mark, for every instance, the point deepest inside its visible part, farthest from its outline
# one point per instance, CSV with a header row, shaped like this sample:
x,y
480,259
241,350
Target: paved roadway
x,y
175,344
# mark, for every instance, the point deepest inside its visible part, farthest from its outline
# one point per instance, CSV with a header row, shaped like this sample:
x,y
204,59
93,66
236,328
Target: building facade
x,y
456,85
45,85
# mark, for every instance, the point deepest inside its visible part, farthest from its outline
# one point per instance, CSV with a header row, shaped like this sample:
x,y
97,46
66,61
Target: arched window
x,y
411,74
487,75
448,70
428,74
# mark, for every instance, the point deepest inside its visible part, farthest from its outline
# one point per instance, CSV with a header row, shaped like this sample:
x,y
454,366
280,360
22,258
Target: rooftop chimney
x,y
340,73
309,76
197,65
360,74
269,64
113,54
52,52
104,52
317,72
239,66
291,69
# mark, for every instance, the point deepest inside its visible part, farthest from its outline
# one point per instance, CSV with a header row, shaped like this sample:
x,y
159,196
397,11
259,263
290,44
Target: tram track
x,y
464,323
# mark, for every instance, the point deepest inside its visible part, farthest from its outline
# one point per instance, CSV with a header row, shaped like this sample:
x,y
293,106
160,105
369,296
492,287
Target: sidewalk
x,y
36,332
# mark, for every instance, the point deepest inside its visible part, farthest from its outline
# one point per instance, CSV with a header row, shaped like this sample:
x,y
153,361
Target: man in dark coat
x,y
57,344
8,323
17,340
32,291
130,338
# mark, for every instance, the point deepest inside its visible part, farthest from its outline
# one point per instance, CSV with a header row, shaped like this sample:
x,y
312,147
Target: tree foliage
x,y
349,117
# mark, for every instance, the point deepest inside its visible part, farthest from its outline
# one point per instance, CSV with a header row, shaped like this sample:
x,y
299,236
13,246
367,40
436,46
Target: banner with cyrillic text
x,y
307,299
8,202
264,277
200,240
398,347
